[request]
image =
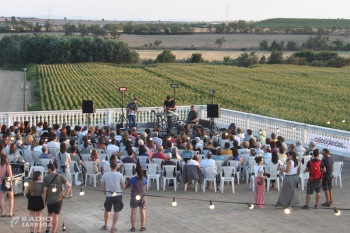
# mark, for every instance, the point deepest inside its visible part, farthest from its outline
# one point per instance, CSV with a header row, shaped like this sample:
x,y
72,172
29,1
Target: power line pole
x,y
25,89
226,15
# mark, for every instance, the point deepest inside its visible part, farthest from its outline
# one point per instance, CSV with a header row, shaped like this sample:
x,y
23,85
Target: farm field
x,y
233,41
304,94
213,55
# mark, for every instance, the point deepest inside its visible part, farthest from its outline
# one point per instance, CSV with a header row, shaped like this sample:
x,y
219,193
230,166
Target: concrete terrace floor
x,y
85,213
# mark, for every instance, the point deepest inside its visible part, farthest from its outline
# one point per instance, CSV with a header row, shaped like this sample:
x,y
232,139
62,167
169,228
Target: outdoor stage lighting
x,y
174,203
336,211
211,92
211,205
173,85
122,89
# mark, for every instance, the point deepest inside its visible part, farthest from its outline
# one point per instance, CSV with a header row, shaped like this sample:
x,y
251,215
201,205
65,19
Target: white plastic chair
x,y
250,170
85,157
109,153
226,157
89,172
158,161
252,184
74,173
44,163
36,168
303,176
28,157
301,154
102,155
266,161
106,168
218,164
226,175
306,158
234,163
337,169
12,158
128,169
245,157
273,176
152,174
142,161
210,176
53,150
36,155
283,160
169,170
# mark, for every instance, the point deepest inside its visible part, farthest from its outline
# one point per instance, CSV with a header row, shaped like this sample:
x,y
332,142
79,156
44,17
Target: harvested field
x,y
11,94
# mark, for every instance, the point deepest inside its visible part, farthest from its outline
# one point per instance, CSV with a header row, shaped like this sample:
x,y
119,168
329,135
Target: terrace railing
x,y
338,141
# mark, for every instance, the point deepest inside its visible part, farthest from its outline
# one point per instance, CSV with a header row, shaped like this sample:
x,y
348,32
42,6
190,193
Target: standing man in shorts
x,y
327,177
112,183
316,168
54,200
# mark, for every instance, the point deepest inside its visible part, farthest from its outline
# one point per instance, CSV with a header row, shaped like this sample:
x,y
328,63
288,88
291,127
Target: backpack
x,y
315,170
138,187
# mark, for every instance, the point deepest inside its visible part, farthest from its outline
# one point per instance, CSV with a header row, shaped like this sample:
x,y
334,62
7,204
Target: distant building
x,y
103,19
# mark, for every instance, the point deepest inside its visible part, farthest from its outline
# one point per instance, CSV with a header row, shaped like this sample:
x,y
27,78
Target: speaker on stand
x,y
88,108
213,111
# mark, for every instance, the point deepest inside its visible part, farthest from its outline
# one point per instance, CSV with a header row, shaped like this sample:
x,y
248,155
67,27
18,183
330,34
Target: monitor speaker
x,y
89,106
213,110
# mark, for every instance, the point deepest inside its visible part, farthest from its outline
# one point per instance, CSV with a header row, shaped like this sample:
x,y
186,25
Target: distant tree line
x,y
45,49
316,43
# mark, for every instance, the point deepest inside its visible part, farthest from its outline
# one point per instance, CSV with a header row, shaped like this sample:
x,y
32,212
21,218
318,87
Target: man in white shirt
x,y
118,137
156,139
85,130
257,148
239,134
208,161
40,146
112,146
39,128
249,135
299,147
54,142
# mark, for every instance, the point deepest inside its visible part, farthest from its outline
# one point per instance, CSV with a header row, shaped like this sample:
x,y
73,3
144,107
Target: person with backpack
x,y
138,198
53,195
316,168
112,183
327,177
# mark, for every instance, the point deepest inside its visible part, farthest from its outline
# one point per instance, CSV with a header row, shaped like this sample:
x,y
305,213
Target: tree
x,y
196,58
210,27
276,57
166,57
246,59
157,42
263,59
69,29
48,25
115,33
83,30
99,32
227,60
233,26
129,27
176,28
220,28
37,27
150,44
264,45
291,45
242,25
65,18
339,44
220,41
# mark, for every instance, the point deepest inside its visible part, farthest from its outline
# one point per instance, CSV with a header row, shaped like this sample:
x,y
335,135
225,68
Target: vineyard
x,y
299,22
304,94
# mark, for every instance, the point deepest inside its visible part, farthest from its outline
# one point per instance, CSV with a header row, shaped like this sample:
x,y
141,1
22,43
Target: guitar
x,y
133,113
166,109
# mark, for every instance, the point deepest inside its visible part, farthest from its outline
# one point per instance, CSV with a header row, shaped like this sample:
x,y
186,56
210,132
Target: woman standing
x,y
35,201
259,182
274,161
63,160
289,195
138,198
5,171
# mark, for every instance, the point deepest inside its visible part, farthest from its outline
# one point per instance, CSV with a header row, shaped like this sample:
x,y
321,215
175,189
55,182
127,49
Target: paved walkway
x,y
85,213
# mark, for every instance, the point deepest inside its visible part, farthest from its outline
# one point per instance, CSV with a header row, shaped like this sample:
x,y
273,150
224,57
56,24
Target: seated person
x,y
192,118
86,149
174,152
194,161
195,148
218,155
235,156
236,145
129,159
144,152
179,145
227,150
267,154
257,148
45,154
208,145
94,158
168,146
81,165
112,146
187,154
159,154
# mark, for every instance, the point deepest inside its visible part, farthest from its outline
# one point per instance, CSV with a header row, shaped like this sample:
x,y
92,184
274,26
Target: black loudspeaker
x,y
89,106
213,110
204,123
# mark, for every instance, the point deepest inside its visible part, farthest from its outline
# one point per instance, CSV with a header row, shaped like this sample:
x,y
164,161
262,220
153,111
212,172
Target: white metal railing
x,y
338,141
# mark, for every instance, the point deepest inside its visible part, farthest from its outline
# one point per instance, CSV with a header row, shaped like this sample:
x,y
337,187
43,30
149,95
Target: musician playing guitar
x,y
169,105
131,109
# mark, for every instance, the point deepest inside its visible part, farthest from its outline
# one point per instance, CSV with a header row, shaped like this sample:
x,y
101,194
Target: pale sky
x,y
207,10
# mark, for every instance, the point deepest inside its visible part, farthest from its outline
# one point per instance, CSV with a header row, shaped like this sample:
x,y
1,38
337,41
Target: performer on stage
x,y
131,109
169,105
192,118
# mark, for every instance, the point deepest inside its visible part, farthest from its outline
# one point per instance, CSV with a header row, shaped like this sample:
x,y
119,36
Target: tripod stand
x,y
212,125
122,118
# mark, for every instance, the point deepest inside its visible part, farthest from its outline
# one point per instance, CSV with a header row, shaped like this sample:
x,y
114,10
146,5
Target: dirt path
x,y
11,94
